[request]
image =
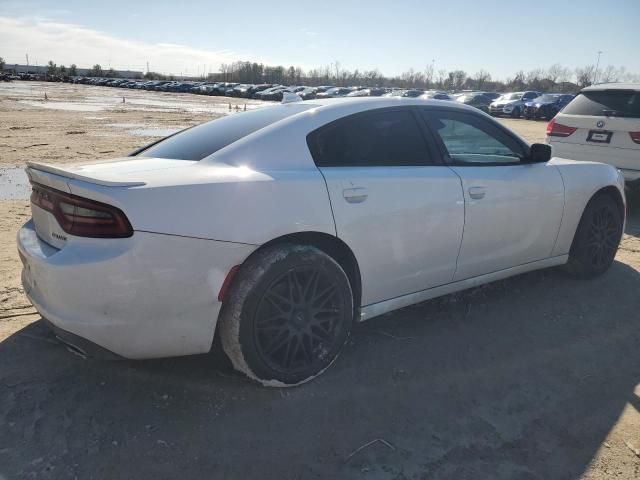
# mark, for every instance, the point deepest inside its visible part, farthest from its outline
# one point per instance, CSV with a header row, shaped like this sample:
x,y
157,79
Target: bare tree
x,y
553,72
51,68
336,67
482,77
456,79
96,71
518,82
584,75
428,75
610,74
442,76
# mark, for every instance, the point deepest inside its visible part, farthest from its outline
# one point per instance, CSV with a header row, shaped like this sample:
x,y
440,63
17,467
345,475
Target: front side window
x,y
472,140
373,139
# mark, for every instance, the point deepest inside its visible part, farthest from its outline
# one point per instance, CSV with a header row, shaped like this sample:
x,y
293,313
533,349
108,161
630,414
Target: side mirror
x,y
540,153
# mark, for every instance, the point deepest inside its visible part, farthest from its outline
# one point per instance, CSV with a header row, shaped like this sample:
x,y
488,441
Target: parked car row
x,y
528,104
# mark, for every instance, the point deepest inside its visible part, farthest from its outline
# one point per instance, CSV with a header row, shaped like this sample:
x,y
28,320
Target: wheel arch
x,y
614,193
332,246
609,191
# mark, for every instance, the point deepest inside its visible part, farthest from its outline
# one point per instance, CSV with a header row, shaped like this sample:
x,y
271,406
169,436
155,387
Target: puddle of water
x,y
68,106
145,130
154,132
127,125
14,184
95,99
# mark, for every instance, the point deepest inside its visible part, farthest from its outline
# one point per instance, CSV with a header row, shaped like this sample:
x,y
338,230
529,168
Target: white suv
x,y
601,124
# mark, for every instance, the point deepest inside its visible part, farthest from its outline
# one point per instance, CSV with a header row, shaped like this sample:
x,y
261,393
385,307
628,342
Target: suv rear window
x,y
621,103
203,140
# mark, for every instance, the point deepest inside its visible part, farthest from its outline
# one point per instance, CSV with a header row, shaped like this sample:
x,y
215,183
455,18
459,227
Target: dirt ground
x,y
534,377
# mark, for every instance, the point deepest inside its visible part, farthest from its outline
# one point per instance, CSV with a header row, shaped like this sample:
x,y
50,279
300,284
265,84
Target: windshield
x,y
511,96
203,140
619,103
546,98
468,98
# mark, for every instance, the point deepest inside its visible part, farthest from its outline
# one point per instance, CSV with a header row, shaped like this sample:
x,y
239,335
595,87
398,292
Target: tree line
x,y
556,78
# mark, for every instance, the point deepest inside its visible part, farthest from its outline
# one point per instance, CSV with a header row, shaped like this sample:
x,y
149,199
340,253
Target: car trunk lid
x,y
124,172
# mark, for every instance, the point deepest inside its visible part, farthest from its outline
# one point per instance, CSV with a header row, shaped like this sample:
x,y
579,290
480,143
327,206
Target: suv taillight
x,y
80,216
635,136
555,129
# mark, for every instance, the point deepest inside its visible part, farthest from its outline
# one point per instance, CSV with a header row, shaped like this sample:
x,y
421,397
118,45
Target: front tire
x,y
515,113
597,238
287,315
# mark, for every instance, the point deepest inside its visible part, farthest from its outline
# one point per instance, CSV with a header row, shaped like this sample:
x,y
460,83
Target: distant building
x,y
42,69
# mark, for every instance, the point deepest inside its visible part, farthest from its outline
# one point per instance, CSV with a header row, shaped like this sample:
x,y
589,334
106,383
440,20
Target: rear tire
x,y
597,238
287,315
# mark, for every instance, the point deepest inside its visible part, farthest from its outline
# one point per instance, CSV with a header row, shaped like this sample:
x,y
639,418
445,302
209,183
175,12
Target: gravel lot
x,y
535,377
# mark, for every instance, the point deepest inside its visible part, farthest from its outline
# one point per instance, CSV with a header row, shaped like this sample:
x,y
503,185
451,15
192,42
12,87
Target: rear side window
x,y
372,139
203,140
623,103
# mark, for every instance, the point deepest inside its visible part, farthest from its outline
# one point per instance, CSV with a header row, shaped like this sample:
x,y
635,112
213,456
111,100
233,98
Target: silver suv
x,y
512,104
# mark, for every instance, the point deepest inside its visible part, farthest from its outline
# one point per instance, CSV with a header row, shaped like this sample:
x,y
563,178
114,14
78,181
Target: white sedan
x,y
278,228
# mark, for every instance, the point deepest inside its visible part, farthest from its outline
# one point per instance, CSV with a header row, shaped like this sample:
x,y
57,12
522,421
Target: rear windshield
x,y
203,140
620,103
546,98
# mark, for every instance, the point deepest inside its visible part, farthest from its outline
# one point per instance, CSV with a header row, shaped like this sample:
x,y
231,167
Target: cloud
x,y
308,33
66,43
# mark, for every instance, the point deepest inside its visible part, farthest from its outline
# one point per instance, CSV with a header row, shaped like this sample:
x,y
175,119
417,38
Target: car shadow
x,y
520,379
633,213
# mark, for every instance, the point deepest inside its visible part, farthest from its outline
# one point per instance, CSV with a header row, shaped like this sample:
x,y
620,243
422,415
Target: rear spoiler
x,y
60,171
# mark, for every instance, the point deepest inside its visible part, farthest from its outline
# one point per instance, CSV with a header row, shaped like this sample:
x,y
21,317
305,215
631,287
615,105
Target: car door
x,y
400,213
513,208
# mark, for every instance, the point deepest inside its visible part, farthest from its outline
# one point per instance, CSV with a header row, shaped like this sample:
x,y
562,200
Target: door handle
x,y
477,192
355,195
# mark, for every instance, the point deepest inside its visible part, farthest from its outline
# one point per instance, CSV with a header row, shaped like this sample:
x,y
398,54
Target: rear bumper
x,y
146,296
81,345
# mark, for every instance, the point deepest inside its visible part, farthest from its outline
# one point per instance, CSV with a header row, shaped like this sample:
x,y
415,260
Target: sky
x,y
188,37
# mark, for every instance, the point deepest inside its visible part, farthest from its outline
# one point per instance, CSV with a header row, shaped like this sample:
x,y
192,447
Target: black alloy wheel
x,y
597,238
297,322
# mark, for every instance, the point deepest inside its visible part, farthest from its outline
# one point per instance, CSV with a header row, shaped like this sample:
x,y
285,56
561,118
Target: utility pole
x,y
27,56
147,67
595,74
433,71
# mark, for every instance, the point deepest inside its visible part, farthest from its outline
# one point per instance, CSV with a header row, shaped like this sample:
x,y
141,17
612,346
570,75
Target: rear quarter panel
x,y
222,202
582,180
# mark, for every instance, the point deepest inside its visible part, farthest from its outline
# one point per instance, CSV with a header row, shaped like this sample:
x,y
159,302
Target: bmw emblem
x,y
600,124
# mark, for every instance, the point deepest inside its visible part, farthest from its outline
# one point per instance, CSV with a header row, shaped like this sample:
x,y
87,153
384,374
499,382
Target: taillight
x,y
635,136
80,216
555,129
